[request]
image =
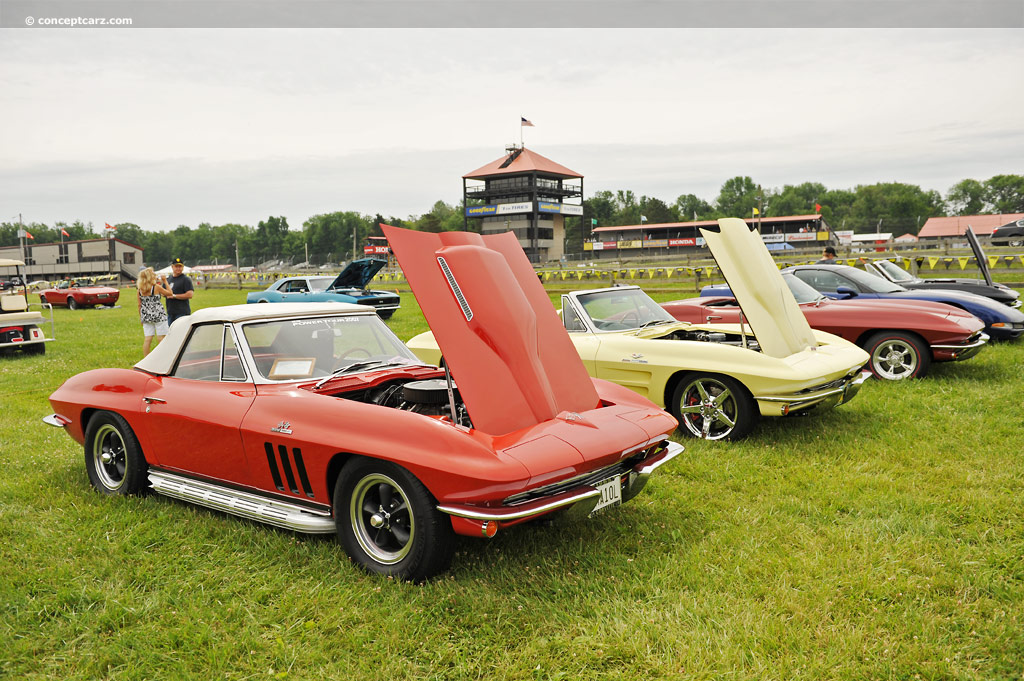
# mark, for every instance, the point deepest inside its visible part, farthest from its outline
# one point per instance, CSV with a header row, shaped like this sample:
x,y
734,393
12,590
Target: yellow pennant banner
x,y
963,262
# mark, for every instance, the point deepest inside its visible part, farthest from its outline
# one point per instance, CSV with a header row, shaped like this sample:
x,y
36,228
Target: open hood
x,y
358,273
498,332
767,303
979,256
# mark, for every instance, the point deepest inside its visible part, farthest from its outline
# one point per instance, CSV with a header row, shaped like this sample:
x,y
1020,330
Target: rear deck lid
x,y
500,336
767,303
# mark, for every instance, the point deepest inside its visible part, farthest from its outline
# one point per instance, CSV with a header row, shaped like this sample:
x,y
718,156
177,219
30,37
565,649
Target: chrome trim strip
x,y
467,311
977,344
671,451
243,504
523,511
803,399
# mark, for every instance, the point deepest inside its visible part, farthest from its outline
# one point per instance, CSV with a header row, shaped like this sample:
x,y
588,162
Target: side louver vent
x,y
286,466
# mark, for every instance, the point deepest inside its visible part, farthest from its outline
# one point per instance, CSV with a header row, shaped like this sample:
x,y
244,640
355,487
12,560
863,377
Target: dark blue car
x,y
841,282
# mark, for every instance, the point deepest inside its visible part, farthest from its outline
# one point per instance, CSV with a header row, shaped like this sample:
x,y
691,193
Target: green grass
x,y
880,540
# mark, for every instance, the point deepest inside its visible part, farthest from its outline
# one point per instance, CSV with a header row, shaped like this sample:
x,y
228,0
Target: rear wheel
x,y
113,457
388,521
713,407
896,355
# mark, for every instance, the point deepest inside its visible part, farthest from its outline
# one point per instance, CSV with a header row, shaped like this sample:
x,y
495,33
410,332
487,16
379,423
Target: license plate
x,y
611,493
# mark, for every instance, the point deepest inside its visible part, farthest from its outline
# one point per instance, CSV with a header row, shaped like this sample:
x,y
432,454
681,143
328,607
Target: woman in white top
x,y
151,310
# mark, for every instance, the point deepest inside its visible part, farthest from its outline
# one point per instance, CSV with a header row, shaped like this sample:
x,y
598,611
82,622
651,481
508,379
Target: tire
x,y
34,349
113,457
385,314
42,300
713,407
896,355
388,522
72,303
1015,243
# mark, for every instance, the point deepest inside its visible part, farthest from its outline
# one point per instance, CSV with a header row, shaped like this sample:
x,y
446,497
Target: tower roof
x,y
520,161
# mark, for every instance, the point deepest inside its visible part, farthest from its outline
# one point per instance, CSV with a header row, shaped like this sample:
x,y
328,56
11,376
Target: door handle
x,y
711,316
153,400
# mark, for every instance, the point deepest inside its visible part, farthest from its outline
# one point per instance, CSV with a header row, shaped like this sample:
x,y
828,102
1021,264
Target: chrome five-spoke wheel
x,y
713,407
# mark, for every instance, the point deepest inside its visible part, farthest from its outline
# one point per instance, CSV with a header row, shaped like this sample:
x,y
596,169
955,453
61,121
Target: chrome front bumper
x,y
633,480
968,350
832,395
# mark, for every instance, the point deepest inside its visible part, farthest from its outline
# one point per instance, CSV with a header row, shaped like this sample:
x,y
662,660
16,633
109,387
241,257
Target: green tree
x,y
797,199
656,211
737,198
1005,193
900,207
966,197
691,207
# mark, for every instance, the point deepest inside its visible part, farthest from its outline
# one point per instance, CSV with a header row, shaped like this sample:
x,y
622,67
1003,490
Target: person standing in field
x,y
151,312
181,292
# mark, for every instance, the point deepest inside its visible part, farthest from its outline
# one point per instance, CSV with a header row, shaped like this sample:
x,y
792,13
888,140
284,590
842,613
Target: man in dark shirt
x,y
181,292
828,257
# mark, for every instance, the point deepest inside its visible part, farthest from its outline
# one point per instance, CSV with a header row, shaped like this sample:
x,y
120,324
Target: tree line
x,y
333,237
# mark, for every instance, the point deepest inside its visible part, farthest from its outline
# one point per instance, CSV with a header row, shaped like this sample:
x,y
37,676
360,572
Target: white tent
x,y
166,272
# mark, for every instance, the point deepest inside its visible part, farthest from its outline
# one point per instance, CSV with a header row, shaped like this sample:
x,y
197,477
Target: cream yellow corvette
x,y
716,379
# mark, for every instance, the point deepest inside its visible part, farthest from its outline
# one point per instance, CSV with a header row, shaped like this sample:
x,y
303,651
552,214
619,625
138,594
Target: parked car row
x,y
315,417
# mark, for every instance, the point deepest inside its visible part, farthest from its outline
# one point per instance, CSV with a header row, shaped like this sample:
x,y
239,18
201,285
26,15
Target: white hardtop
x,y
161,360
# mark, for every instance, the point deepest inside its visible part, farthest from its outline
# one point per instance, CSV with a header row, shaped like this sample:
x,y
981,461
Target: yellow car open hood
x,y
767,303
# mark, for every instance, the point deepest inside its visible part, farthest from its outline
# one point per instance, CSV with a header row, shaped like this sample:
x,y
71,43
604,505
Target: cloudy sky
x,y
170,127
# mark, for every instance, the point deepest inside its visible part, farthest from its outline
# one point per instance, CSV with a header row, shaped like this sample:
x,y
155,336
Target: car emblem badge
x,y
573,416
637,355
283,427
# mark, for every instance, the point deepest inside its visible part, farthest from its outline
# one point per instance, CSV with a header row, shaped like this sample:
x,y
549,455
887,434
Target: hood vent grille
x,y
466,310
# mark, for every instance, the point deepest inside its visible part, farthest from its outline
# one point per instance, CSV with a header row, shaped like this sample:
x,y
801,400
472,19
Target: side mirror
x,y
846,292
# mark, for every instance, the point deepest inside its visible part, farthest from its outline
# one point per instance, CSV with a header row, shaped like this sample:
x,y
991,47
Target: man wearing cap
x,y
828,257
181,292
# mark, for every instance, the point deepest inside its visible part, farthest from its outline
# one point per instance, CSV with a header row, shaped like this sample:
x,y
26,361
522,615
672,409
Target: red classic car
x,y
903,339
316,417
74,295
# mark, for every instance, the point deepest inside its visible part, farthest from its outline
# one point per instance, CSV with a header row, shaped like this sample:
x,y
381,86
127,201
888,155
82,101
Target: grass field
x,y
881,540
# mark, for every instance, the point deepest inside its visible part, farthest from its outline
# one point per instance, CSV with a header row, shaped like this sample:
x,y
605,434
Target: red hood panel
x,y
507,350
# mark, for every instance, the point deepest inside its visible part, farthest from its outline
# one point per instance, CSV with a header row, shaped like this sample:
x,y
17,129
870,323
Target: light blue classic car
x,y
347,287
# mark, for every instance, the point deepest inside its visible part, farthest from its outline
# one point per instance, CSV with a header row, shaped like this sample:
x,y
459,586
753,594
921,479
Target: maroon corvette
x,y
74,294
903,339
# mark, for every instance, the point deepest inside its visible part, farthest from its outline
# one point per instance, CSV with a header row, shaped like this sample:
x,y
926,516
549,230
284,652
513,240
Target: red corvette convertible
x,y
903,339
74,294
316,417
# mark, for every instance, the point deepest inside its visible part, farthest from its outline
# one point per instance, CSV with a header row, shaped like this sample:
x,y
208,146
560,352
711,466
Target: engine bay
x,y
704,336
429,397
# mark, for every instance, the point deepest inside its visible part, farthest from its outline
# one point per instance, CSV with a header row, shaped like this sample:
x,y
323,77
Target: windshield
x,y
802,291
869,282
621,309
894,271
314,347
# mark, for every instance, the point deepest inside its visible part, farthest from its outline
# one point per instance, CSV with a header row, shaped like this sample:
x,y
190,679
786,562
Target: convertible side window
x,y
232,369
571,320
202,358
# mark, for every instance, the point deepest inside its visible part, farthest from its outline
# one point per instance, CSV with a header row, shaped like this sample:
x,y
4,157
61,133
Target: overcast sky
x,y
170,127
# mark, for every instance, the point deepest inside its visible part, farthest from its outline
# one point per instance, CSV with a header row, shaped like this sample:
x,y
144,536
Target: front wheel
x,y
896,355
713,407
113,457
72,303
388,521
